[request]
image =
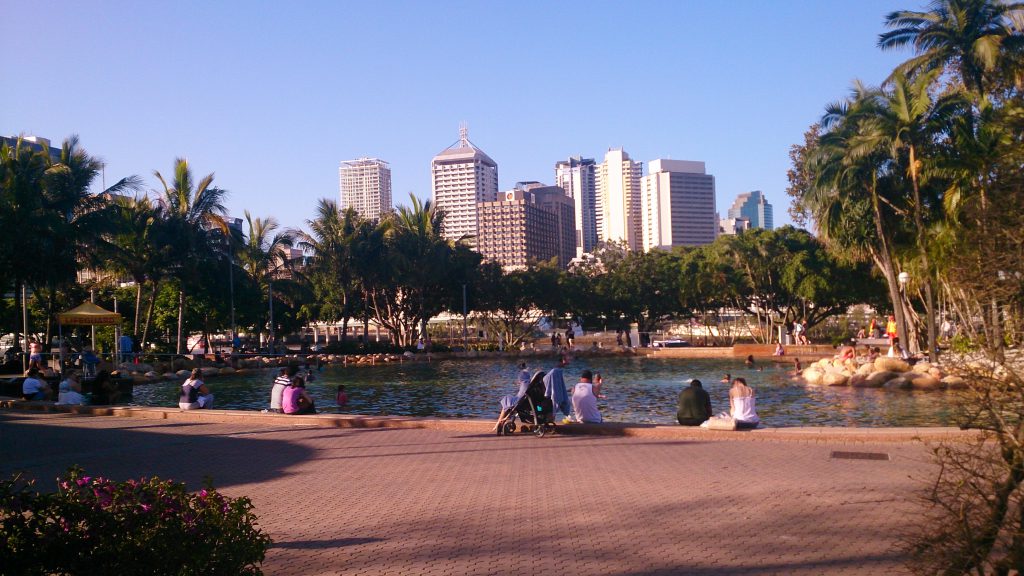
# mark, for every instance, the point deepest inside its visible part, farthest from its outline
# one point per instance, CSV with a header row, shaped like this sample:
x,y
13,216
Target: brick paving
x,y
422,501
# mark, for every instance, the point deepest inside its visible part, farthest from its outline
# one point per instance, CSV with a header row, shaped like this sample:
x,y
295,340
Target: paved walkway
x,y
421,501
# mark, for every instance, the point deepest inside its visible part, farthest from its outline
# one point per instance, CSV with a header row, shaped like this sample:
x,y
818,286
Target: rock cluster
x,y
891,373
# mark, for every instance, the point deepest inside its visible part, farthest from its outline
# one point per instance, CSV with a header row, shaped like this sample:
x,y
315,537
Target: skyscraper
x,y
678,205
462,176
365,185
754,207
576,177
554,200
515,231
617,210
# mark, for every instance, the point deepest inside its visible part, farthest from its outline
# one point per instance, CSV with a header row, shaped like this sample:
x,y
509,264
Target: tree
x,y
799,175
265,257
194,211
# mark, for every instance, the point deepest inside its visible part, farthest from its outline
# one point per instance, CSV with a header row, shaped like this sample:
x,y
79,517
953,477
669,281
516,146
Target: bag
x,y
722,423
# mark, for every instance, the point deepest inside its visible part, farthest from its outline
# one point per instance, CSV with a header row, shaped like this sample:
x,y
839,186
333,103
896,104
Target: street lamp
x,y
904,278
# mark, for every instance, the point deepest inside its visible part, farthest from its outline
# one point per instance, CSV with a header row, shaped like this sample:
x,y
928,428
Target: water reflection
x,y
636,390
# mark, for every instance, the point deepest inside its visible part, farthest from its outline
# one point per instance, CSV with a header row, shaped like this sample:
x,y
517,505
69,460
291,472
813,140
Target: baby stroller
x,y
533,409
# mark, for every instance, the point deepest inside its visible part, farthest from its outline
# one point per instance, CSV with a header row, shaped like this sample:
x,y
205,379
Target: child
x,y
342,397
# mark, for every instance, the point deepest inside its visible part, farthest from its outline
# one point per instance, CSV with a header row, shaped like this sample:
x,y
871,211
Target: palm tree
x,y
976,40
263,256
134,248
195,218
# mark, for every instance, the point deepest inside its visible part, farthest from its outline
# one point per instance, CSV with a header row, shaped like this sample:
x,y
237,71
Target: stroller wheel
x,y
540,430
510,427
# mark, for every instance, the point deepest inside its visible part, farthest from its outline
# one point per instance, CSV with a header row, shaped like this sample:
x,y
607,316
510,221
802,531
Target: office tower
x,y
365,186
462,176
34,143
678,205
733,226
553,199
618,217
515,230
576,176
754,207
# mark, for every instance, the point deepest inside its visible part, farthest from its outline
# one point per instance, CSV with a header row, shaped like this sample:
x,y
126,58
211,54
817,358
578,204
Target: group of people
x,y
69,391
694,408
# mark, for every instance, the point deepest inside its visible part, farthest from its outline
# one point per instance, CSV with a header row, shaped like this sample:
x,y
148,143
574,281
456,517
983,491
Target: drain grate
x,y
860,455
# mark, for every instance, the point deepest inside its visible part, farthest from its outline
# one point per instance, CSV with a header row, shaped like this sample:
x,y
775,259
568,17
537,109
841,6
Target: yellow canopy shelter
x,y
88,314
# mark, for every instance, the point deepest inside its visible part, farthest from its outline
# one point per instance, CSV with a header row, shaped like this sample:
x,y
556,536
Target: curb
x,y
610,429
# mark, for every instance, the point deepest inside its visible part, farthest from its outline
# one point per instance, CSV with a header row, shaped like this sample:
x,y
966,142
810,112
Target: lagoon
x,y
637,389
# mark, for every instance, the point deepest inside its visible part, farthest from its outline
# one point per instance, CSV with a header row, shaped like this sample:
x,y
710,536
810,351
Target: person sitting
x,y
846,353
194,393
797,368
282,381
295,399
779,350
726,379
694,405
70,391
897,351
89,362
584,399
742,405
34,388
873,353
749,361
104,389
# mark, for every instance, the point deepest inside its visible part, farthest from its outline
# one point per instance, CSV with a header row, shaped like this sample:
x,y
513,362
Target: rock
x,y
183,364
878,379
834,379
813,375
169,375
935,372
857,380
954,382
898,383
891,365
922,367
210,371
227,370
152,374
925,382
183,373
865,369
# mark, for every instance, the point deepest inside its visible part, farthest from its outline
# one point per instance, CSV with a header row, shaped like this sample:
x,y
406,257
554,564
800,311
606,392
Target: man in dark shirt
x,y
694,405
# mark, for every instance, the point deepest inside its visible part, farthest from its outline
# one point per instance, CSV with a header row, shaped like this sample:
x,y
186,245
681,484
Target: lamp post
x,y
903,279
231,286
465,330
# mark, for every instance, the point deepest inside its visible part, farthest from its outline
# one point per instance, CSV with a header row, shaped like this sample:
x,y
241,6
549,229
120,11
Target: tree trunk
x,y
885,262
928,292
181,320
149,317
138,306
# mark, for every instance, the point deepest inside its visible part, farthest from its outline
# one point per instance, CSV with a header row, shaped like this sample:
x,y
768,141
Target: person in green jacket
x,y
694,405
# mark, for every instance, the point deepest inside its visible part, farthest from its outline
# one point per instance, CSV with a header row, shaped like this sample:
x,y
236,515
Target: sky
x,y
271,96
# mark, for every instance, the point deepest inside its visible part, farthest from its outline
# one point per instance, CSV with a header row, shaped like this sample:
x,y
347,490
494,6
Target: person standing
x,y
584,399
742,405
570,336
694,406
35,354
126,344
890,329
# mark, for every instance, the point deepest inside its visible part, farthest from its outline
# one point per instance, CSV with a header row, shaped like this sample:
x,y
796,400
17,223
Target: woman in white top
x,y
70,391
584,399
741,405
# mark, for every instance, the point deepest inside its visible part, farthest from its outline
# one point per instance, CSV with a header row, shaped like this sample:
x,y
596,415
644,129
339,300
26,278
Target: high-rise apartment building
x,y
553,199
618,216
365,185
754,207
577,177
462,176
678,205
515,230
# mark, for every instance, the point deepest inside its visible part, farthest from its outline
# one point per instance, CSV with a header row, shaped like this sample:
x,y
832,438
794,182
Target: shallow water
x,y
636,390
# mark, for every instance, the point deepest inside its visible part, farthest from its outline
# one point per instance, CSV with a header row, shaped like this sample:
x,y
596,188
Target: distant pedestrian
x,y
569,337
890,330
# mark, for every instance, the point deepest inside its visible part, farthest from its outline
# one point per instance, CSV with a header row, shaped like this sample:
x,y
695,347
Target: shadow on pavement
x,y
325,544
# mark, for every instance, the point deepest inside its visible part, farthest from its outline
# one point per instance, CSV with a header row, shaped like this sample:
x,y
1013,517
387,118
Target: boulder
x,y
183,364
857,380
152,374
925,382
891,364
210,371
954,382
834,379
878,379
865,369
170,375
227,370
898,383
922,367
935,372
183,373
813,375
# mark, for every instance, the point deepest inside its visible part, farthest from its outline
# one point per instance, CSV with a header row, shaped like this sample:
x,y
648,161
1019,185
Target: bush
x,y
148,526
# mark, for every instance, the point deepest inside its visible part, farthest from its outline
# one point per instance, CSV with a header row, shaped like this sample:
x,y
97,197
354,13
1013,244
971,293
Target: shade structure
x,y
88,314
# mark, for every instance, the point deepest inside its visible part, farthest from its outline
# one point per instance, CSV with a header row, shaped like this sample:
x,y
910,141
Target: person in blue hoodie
x,y
554,387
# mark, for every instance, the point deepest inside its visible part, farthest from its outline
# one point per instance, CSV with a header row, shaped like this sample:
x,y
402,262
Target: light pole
x,y
465,330
231,286
270,297
904,278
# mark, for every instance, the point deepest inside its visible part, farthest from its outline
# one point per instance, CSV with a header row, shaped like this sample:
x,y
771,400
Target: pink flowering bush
x,y
94,525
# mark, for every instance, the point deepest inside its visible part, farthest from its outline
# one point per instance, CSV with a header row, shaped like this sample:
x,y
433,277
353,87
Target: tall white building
x,y
462,176
577,177
678,205
754,207
365,185
617,207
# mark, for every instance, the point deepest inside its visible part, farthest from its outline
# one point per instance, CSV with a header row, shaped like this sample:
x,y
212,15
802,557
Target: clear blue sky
x,y
272,95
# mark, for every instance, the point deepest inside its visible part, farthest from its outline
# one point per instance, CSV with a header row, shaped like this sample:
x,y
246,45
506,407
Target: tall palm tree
x,y
975,40
195,216
263,256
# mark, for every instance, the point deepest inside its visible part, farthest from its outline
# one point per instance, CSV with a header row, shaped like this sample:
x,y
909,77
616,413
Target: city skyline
x,y
256,74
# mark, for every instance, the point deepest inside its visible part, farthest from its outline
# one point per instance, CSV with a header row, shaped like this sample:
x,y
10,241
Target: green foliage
x,y
148,526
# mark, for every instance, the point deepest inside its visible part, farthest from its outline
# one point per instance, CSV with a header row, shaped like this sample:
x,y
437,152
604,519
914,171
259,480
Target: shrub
x,y
147,526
